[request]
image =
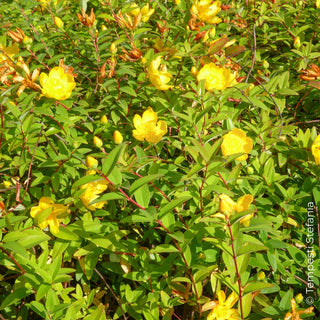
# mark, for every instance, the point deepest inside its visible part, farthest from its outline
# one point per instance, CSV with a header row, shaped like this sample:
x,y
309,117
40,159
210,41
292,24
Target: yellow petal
x,y
232,299
244,203
227,205
149,115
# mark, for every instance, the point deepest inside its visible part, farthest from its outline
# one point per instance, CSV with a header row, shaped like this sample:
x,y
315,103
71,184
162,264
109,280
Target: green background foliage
x,y
156,250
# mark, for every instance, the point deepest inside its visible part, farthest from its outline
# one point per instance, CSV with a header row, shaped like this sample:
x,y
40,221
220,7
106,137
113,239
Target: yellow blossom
x,y
206,10
223,307
146,13
117,137
92,192
236,141
216,77
315,149
10,52
51,211
295,315
148,127
159,78
58,84
318,4
227,206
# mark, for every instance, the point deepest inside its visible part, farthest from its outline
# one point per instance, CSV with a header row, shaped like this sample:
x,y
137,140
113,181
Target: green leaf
x,y
15,297
111,160
98,314
86,179
249,248
255,286
164,248
142,181
171,205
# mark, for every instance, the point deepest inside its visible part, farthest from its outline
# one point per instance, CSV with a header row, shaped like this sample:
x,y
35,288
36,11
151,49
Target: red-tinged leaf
x,y
234,51
218,45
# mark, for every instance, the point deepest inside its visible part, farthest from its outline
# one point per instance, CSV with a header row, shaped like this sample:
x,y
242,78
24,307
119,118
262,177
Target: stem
x,y
187,265
13,259
109,288
236,266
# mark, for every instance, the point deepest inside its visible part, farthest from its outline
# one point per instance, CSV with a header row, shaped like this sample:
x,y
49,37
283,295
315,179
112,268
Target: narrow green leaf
x,y
142,181
171,205
15,297
112,158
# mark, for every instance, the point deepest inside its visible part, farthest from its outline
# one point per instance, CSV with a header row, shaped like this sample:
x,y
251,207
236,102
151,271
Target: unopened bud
x,y
7,184
103,28
194,71
143,60
297,43
299,298
104,119
261,275
113,48
265,64
27,41
97,142
91,162
117,137
58,22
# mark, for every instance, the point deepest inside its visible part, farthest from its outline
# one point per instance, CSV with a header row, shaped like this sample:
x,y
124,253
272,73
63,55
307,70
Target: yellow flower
x,y
206,10
295,315
146,13
10,52
117,137
236,141
223,308
315,149
148,127
52,210
318,4
93,191
159,78
58,85
227,206
215,77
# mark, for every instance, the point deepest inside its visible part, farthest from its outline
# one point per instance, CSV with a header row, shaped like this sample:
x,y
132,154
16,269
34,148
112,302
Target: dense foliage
x,y
159,159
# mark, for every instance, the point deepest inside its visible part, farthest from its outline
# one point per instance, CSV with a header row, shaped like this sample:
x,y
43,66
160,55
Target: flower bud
x,y
7,184
97,142
27,41
103,28
58,22
297,43
143,60
250,170
194,71
117,137
91,162
261,275
104,119
113,48
299,298
265,64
